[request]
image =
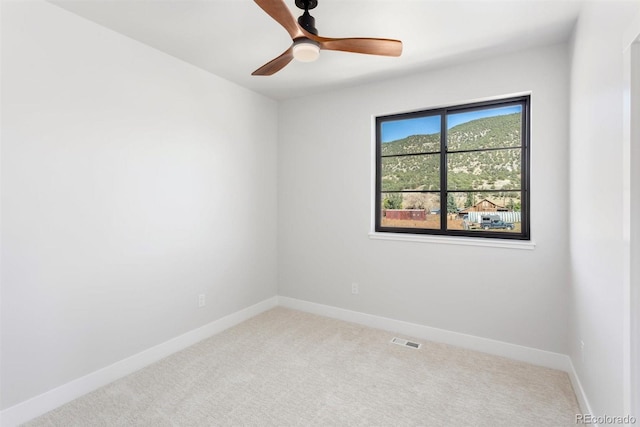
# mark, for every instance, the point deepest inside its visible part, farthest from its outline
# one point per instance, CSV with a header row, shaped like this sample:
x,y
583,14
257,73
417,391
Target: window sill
x,y
451,240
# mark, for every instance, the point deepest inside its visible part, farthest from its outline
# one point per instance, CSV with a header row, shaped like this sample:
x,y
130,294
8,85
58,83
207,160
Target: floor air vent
x,y
406,343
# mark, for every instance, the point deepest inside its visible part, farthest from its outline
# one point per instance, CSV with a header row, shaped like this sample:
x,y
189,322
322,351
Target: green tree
x,y
469,202
451,204
392,201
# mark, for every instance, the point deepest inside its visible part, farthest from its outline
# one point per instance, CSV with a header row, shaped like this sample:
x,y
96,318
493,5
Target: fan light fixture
x,y
306,51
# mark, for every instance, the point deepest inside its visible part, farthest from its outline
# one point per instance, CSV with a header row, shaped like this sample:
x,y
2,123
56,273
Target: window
x,y
457,171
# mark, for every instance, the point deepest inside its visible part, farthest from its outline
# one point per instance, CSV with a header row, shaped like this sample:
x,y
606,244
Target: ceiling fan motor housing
x,y
308,22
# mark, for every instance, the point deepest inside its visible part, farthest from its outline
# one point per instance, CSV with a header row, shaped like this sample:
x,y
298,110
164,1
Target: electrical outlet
x,y
202,301
354,289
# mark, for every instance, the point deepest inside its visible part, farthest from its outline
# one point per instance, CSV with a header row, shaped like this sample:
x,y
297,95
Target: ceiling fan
x,y
306,41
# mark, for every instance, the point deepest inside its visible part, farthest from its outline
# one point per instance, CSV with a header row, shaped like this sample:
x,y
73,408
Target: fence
x,y
504,216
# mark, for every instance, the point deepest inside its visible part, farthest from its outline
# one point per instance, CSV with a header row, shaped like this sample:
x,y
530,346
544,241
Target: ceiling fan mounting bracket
x,y
306,4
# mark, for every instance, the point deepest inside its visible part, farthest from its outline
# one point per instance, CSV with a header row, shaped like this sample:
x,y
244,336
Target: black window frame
x,y
443,112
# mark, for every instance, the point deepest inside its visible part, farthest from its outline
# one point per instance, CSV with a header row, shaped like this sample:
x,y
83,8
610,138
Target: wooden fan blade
x,y
275,65
385,47
278,10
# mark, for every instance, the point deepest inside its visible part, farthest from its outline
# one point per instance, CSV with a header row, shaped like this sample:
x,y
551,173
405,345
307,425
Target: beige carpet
x,y
286,368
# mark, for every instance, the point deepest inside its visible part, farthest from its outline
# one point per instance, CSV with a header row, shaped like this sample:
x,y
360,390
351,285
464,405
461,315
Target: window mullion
x,y
443,171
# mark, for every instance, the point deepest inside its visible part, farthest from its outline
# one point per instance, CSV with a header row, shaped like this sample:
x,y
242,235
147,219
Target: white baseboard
x,y
499,348
52,399
580,394
531,355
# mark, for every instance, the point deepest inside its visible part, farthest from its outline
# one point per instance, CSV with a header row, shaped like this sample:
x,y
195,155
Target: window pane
x,y
420,172
485,170
410,210
495,211
410,136
486,128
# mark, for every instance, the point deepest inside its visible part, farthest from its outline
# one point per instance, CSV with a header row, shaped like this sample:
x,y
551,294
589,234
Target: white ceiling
x,y
232,38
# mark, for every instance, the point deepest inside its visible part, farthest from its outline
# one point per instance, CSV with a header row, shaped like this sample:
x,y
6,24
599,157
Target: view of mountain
x,y
496,170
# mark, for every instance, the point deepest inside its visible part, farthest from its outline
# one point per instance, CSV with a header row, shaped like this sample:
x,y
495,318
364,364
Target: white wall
x,y
131,183
631,201
597,245
324,198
